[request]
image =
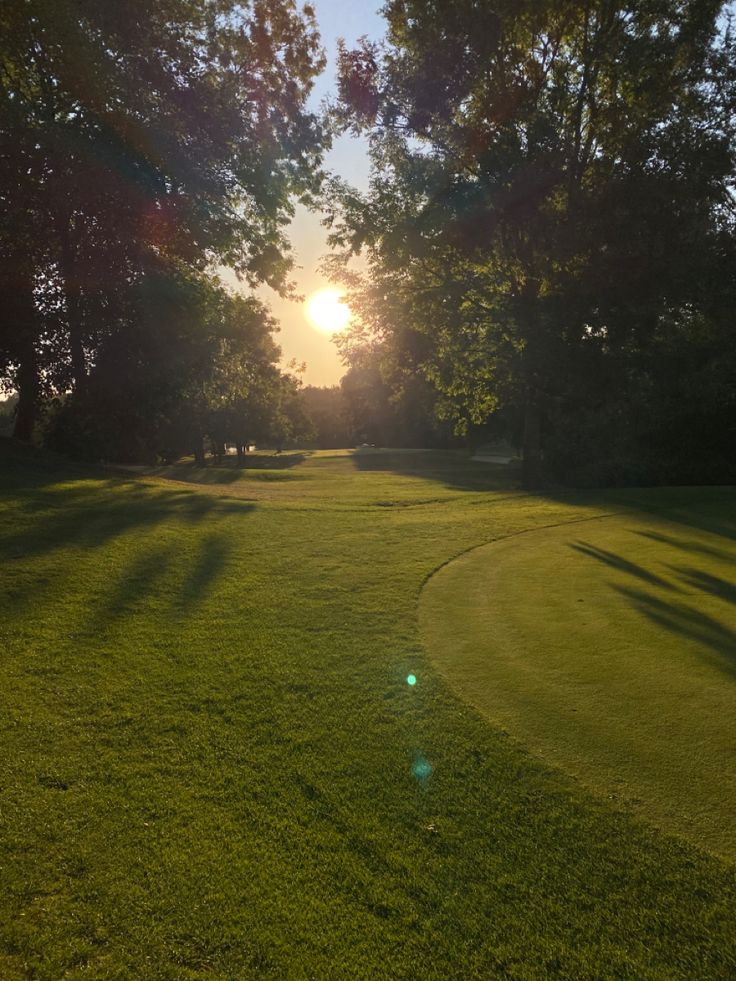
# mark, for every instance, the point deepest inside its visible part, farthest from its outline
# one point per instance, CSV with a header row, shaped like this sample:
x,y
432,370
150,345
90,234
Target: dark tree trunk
x,y
19,326
532,447
532,470
28,391
76,349
73,298
199,457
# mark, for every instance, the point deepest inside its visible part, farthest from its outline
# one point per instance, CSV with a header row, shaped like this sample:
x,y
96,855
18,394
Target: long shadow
x,y
231,469
688,622
676,616
209,564
707,583
621,564
88,515
146,576
691,507
448,468
91,519
135,585
686,544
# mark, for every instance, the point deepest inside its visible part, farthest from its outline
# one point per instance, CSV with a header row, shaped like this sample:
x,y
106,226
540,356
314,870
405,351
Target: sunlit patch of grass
x,y
212,765
609,647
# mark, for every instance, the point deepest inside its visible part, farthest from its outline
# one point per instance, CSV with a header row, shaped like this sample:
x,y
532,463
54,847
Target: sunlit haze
x,y
327,312
299,338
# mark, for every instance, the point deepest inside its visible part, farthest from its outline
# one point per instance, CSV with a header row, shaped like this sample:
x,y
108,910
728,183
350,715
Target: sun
x,y
327,312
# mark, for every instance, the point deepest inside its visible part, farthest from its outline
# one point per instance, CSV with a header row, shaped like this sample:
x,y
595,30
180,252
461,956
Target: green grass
x,y
346,478
620,663
211,765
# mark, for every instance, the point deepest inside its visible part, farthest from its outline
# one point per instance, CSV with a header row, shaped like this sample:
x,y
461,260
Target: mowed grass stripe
x,y
208,747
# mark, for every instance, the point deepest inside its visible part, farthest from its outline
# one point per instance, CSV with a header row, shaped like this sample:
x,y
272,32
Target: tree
x,y
326,412
196,363
137,133
542,174
387,404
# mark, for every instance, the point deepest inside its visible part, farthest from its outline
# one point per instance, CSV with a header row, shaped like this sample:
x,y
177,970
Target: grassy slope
x,y
208,745
620,663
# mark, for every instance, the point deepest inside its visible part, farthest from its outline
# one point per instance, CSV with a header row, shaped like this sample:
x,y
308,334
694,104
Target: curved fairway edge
x,y
610,651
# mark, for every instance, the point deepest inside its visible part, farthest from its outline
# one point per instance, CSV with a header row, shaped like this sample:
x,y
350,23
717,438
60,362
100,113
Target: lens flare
x,y
421,768
411,679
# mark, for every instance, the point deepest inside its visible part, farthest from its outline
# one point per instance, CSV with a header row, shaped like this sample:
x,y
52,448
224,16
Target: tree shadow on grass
x,y
449,468
713,585
677,616
134,586
93,516
709,509
689,622
176,583
78,521
230,470
621,564
203,571
686,544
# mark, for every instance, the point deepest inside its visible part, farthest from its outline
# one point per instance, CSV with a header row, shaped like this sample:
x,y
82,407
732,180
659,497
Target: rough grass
x,y
620,662
212,766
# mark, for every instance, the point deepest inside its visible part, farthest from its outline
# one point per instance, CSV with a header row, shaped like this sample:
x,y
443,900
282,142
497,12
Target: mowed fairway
x,y
211,764
609,648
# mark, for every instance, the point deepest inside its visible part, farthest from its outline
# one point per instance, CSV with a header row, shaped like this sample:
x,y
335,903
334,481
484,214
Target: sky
x,y
348,19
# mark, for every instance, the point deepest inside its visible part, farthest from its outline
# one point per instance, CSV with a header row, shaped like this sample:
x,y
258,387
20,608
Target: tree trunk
x,y
76,349
533,363
18,311
532,448
199,457
28,390
73,298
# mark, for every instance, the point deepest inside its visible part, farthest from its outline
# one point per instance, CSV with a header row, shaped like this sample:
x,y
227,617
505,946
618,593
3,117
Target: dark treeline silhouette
x,y
142,146
549,235
372,405
549,230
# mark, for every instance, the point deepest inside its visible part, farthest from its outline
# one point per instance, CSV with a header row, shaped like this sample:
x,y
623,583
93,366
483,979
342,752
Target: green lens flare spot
x,y
421,768
411,679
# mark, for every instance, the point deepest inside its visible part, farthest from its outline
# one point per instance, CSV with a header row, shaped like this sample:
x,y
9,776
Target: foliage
x,y
551,188
386,404
133,136
199,363
326,409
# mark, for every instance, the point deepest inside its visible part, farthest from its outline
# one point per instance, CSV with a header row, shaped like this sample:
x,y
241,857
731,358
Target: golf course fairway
x,y
608,648
229,748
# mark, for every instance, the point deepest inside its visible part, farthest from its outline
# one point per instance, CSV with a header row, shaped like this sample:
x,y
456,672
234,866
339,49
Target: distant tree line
x,y
143,146
371,405
550,227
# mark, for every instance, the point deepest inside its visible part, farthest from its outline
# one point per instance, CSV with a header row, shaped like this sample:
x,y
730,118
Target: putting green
x,y
609,648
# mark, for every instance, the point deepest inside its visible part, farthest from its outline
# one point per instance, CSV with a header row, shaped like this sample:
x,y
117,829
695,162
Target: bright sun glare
x,y
327,312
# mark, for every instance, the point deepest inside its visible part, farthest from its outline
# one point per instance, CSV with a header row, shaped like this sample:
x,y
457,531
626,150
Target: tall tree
x,y
175,130
542,173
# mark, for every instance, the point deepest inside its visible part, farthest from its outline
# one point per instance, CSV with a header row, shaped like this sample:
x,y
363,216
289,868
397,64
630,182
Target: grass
x,y
346,478
212,765
620,664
